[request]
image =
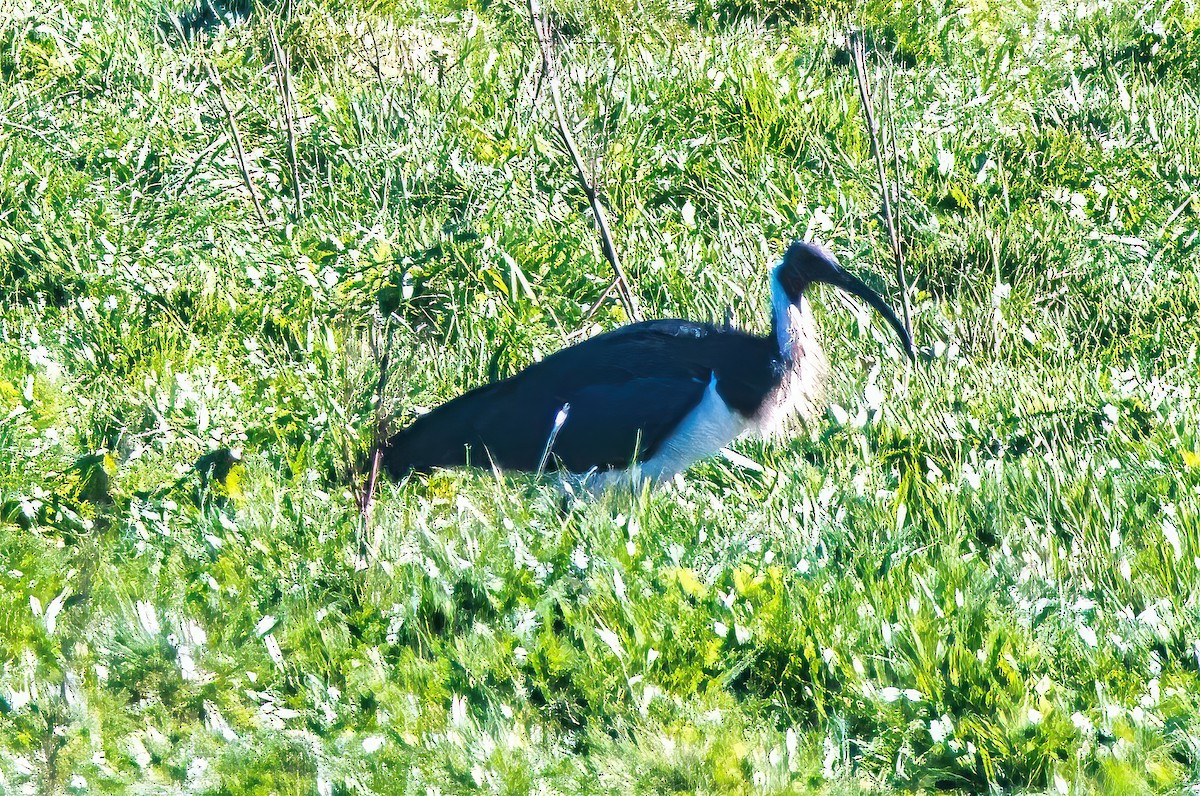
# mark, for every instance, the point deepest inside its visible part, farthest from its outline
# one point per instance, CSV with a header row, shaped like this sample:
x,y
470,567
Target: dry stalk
x,y
239,151
379,428
198,163
378,65
591,313
864,93
283,81
541,29
895,144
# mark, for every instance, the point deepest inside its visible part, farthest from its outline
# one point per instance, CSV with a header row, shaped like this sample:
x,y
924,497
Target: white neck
x,y
801,390
792,323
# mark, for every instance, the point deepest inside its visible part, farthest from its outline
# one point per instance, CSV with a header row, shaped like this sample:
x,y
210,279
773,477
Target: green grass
x,y
977,573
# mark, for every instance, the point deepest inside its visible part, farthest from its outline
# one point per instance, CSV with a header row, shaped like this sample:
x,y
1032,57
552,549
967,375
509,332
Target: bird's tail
x,y
402,453
441,438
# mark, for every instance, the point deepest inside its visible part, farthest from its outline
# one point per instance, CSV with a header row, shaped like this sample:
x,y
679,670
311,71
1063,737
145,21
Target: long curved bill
x,y
856,287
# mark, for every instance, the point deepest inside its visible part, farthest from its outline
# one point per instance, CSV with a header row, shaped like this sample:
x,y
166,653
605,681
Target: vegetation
x,y
976,573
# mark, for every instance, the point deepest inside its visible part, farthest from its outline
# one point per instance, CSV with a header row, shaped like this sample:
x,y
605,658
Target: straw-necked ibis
x,y
646,400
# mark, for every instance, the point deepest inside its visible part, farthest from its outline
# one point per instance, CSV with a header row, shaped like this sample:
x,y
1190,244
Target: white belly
x,y
709,427
705,430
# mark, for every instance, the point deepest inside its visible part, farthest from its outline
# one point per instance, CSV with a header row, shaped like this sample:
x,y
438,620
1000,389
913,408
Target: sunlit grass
x,y
977,573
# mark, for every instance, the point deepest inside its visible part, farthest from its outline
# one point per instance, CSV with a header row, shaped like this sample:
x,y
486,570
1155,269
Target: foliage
x,y
977,574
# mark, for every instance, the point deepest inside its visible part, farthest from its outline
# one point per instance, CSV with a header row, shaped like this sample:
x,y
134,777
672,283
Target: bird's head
x,y
807,263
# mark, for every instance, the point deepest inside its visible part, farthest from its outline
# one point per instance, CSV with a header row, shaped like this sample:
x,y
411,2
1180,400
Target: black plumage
x,y
625,390
623,397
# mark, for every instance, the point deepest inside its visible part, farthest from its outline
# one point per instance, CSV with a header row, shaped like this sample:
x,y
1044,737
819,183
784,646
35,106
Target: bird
x,y
645,401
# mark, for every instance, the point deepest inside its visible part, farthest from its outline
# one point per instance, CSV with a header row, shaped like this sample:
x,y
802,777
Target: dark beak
x,y
856,287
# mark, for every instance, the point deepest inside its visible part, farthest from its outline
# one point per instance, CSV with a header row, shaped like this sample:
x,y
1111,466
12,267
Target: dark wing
x,y
612,425
456,433
747,367
510,424
625,392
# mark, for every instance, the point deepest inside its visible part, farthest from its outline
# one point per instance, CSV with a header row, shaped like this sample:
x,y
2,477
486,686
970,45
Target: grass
x,y
978,574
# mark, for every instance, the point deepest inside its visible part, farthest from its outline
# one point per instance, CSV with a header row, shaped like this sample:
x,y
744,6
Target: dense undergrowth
x,y
974,573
